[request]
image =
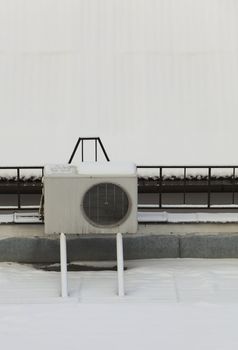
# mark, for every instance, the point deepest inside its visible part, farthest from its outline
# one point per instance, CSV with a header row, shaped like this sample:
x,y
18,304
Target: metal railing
x,y
159,187
188,187
17,182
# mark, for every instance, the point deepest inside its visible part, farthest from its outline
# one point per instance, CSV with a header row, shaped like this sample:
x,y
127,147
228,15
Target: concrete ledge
x,y
29,244
209,246
84,248
151,246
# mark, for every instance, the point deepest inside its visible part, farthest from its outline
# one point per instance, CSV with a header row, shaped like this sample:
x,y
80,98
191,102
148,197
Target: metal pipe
x,y
120,265
63,266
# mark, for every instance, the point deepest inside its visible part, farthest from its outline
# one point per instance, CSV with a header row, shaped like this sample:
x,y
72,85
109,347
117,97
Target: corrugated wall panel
x,y
156,79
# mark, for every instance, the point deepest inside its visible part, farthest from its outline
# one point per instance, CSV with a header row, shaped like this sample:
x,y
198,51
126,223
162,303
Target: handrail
x,y
158,187
164,184
187,166
17,185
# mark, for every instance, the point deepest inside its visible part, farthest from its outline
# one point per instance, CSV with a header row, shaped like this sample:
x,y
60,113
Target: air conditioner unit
x,y
98,197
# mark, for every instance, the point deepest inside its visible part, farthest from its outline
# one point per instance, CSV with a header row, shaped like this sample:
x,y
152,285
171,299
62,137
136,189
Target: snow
x,y
187,217
6,218
92,169
170,303
111,168
193,173
21,218
60,169
143,217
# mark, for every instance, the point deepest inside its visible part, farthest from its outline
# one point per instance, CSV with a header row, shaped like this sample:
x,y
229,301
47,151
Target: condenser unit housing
x,y
99,197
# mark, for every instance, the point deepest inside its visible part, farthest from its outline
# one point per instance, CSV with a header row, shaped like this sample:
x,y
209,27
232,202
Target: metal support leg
x,y
63,266
120,265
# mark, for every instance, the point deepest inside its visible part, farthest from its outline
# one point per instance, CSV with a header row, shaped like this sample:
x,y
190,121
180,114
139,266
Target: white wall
x,y
157,80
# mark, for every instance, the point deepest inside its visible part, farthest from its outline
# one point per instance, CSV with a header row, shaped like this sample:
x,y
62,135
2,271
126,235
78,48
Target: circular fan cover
x,y
106,204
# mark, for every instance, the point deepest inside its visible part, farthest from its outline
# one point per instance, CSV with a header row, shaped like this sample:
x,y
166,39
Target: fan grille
x,y
105,204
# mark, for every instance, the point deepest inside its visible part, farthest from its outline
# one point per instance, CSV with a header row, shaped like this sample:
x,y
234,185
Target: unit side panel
x,y
62,204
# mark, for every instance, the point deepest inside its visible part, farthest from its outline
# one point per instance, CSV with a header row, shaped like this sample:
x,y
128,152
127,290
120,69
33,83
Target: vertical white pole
x,y
120,265
63,266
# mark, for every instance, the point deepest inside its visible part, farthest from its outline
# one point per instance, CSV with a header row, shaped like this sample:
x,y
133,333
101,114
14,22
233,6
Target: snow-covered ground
x,y
170,303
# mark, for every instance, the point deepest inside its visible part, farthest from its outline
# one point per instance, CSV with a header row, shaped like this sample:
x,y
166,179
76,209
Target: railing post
x,y
209,188
184,185
18,189
233,185
160,186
